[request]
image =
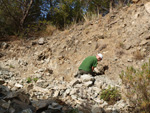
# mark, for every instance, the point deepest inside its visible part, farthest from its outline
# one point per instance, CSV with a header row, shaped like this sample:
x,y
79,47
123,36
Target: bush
x,y
111,95
29,80
75,110
35,79
42,28
11,66
137,82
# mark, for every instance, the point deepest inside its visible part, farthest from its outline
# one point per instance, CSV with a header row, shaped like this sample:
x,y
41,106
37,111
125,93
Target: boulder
x,y
86,78
97,109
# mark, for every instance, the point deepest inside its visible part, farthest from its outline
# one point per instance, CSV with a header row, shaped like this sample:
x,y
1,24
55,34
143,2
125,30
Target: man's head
x,y
99,57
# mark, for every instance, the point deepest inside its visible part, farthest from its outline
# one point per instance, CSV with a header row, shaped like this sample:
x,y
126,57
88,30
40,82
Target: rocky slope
x,y
123,37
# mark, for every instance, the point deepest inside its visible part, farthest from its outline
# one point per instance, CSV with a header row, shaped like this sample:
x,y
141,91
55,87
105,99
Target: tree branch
x,y
26,11
9,12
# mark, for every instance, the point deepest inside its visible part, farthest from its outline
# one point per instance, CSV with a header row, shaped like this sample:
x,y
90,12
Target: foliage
x,y
74,111
11,66
138,83
99,6
35,79
16,17
111,95
39,29
29,79
65,12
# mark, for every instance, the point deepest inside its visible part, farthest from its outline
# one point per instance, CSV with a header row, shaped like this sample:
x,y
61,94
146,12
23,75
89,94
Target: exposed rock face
x,y
44,68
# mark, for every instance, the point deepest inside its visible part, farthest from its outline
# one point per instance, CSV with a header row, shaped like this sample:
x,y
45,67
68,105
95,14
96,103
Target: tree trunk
x,y
111,6
25,12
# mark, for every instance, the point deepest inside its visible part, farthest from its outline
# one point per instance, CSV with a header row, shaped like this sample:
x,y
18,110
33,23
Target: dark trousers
x,y
82,72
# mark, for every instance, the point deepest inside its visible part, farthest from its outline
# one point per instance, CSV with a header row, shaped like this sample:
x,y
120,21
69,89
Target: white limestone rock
x,y
147,7
86,78
41,41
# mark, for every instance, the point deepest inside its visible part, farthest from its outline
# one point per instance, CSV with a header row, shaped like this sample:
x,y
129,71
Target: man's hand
x,y
92,69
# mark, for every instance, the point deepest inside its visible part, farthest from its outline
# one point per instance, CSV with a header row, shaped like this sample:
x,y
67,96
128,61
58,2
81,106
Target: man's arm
x,y
92,68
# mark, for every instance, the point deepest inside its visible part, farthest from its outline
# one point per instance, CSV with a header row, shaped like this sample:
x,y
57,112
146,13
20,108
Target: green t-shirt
x,y
88,63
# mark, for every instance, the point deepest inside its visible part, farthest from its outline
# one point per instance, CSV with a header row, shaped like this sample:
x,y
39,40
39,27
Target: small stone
x,y
54,104
41,41
56,94
18,85
74,82
127,47
88,84
39,75
129,60
97,100
73,97
104,104
5,45
67,91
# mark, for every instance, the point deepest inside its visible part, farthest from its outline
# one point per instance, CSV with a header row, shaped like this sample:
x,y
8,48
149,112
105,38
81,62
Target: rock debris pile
x,y
79,92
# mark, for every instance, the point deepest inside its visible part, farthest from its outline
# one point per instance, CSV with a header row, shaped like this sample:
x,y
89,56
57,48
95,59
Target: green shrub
x,y
35,79
137,82
29,80
11,66
111,95
74,110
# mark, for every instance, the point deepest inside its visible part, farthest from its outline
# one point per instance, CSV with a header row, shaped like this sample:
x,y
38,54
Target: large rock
x,y
39,89
41,104
88,83
55,108
97,109
86,78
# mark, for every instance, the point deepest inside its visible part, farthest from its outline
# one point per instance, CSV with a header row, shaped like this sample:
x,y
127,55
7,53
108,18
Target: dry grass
x,y
88,17
119,53
120,45
103,46
48,31
138,55
137,82
100,20
66,32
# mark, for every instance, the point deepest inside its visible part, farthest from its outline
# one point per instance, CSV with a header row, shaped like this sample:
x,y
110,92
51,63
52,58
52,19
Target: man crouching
x,y
88,65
